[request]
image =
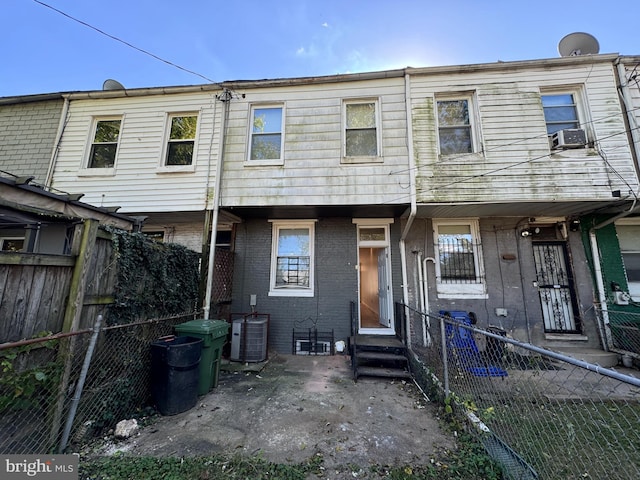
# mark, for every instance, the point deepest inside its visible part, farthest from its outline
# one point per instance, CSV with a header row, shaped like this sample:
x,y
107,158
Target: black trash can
x,y
495,347
175,365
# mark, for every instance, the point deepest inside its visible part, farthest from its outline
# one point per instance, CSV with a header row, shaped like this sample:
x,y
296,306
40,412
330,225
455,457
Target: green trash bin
x,y
214,335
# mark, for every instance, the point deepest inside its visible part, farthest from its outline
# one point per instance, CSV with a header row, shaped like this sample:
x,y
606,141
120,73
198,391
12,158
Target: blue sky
x,y
44,51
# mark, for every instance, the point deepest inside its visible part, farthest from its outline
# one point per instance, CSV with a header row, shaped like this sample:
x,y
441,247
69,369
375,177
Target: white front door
x,y
374,278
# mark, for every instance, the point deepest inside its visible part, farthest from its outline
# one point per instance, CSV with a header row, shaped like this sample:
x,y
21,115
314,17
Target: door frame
x,y
378,223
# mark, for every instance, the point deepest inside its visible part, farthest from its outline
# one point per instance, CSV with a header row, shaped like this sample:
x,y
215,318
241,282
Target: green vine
x,y
25,388
154,279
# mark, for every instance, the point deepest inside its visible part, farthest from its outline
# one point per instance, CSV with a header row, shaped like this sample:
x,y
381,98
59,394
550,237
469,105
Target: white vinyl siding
x,y
513,162
140,182
315,171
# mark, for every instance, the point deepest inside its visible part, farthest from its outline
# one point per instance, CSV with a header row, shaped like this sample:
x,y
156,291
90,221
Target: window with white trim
x,y
292,258
181,139
629,239
104,143
455,125
361,132
560,111
458,253
266,139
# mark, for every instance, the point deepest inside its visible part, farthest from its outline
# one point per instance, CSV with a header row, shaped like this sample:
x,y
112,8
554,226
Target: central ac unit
x,y
306,347
569,138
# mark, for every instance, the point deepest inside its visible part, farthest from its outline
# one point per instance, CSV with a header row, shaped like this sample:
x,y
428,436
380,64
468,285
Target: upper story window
x,y
292,261
560,112
104,144
459,266
361,132
455,130
629,239
266,138
182,139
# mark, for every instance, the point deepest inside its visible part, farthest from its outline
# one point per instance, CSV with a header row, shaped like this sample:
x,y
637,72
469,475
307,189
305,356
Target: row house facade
x,y
467,188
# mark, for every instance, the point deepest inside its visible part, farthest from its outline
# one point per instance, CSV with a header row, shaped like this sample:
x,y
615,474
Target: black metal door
x,y
555,287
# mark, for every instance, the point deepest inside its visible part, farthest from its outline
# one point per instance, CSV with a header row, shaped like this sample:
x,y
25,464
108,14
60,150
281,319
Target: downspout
x,y
56,144
224,97
412,213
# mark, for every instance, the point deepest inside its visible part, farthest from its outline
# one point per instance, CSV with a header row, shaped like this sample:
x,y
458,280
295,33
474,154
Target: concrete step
x,y
590,355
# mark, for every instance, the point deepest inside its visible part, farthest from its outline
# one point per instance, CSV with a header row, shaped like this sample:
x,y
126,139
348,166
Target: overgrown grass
x,y
468,461
574,439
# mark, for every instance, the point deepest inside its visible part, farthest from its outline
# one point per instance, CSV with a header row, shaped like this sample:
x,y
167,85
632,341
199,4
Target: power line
x,y
124,42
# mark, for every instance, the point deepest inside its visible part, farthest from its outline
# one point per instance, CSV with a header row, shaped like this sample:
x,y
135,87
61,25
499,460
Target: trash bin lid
x,y
213,328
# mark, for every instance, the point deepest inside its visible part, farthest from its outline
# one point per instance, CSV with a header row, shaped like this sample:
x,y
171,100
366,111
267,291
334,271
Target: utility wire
x,y
124,42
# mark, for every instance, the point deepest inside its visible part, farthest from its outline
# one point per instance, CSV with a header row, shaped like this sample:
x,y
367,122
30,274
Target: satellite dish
x,y
111,84
578,43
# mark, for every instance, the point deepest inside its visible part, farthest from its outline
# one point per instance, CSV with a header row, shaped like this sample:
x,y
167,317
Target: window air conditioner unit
x,y
569,138
306,347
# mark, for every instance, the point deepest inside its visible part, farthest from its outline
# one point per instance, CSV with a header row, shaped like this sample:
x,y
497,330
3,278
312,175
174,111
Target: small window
x,y
560,112
454,126
182,136
292,259
266,134
459,267
11,244
361,131
629,238
104,144
155,236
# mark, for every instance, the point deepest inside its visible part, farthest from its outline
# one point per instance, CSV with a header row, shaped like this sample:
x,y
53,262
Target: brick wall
x,y
335,281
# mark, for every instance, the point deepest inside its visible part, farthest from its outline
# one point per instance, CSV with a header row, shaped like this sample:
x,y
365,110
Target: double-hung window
x,y
181,140
560,112
455,132
104,143
361,132
266,138
629,239
292,258
459,266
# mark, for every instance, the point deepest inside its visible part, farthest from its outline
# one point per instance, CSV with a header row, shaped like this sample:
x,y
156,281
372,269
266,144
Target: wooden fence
x,y
57,293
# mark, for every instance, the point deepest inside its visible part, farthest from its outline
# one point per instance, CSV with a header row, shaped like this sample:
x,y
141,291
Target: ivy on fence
x,y
154,279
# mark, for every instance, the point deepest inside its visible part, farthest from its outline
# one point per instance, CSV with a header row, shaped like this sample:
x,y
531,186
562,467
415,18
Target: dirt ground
x,y
295,407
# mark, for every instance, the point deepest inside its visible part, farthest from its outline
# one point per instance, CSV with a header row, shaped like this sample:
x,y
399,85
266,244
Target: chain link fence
x,y
539,414
64,389
622,330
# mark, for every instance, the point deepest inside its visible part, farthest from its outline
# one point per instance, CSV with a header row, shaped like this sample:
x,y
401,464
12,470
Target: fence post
x,y
80,385
73,313
445,364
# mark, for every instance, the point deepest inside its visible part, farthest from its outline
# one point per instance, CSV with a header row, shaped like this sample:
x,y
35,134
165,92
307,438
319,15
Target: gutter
x,y
414,208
